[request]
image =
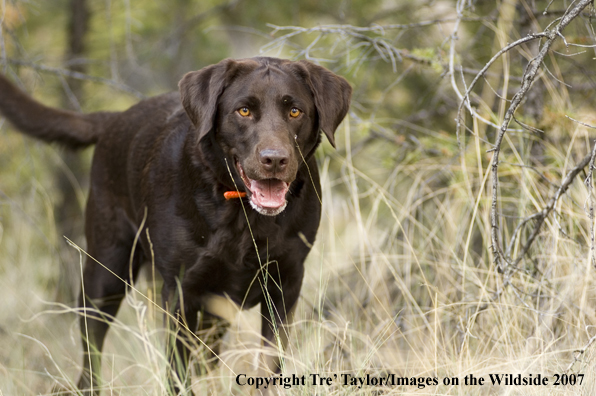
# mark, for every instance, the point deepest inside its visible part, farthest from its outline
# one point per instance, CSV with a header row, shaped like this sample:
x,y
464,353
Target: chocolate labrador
x,y
219,184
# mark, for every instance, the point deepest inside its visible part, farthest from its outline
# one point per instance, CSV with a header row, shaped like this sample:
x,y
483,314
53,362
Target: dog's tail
x,y
70,129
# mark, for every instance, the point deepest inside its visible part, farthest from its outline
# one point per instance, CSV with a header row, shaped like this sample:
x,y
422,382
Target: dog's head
x,y
265,114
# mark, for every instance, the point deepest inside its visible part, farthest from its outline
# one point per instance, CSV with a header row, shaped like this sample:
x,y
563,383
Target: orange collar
x,y
234,194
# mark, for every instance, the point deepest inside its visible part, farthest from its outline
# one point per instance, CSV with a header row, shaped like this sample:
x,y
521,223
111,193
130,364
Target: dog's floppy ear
x,y
332,95
200,91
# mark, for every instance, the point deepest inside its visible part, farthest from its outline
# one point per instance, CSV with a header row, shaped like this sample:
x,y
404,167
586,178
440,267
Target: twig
x,y
527,80
388,52
590,199
540,217
76,75
582,123
548,5
380,29
529,128
2,43
465,100
543,214
518,230
384,48
453,39
580,352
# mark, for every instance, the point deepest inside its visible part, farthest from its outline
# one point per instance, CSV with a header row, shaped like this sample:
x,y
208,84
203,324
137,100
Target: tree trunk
x,y
69,210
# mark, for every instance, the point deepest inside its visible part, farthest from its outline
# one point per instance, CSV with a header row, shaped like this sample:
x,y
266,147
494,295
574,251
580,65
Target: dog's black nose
x,y
274,160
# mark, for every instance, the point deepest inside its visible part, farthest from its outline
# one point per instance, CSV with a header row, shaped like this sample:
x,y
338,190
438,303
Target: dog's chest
x,y
246,257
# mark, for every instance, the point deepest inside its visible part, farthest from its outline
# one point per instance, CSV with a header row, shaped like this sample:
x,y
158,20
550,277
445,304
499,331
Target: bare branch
x,y
527,127
517,230
465,99
384,48
543,214
76,75
527,80
379,29
540,217
590,199
580,352
581,123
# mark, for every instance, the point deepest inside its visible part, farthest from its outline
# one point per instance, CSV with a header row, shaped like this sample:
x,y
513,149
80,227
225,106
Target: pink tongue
x,y
269,193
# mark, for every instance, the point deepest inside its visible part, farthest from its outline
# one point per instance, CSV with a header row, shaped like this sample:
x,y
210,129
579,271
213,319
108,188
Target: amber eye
x,y
244,112
295,112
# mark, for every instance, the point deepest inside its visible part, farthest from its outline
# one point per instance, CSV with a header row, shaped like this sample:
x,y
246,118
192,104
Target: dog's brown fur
x,y
167,162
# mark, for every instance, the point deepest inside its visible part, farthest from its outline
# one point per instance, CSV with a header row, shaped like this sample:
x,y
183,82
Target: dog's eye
x,y
244,112
295,112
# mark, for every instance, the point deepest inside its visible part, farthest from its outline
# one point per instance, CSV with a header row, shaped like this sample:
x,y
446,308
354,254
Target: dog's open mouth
x,y
267,196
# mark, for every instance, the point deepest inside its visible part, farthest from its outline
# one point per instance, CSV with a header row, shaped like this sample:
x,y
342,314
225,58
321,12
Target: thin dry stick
x,y
580,352
588,183
590,199
387,51
540,217
76,75
2,44
527,80
466,97
518,231
379,28
452,38
543,214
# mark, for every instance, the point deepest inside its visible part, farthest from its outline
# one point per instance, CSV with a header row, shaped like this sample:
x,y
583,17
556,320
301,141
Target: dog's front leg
x,y
277,310
275,322
191,331
182,326
210,330
275,335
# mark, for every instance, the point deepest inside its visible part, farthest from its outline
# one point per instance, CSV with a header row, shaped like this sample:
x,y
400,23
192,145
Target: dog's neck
x,y
206,153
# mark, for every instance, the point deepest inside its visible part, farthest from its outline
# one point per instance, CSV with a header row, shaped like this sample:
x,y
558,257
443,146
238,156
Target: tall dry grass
x,y
399,281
